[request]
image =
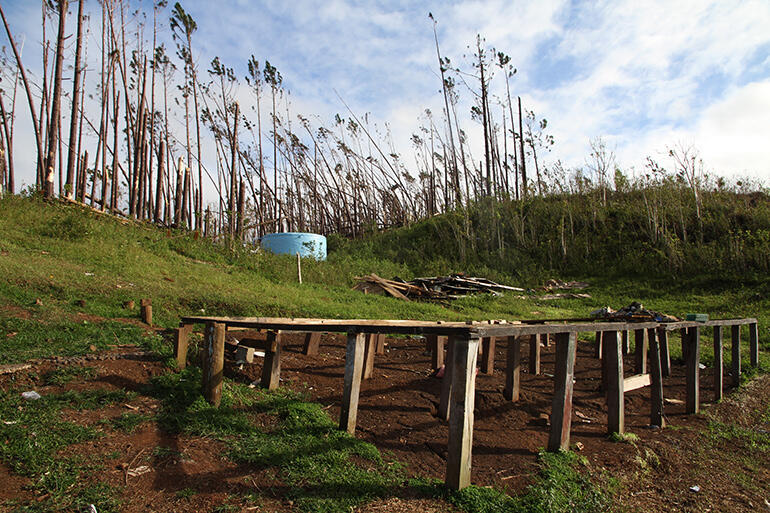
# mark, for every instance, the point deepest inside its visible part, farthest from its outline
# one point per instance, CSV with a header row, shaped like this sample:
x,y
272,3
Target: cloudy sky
x,y
644,75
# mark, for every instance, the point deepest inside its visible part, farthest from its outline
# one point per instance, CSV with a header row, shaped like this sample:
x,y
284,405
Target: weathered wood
x,y
312,342
244,354
598,345
271,370
640,352
436,347
458,469
545,340
214,358
354,366
692,370
636,381
512,389
444,405
561,408
685,345
615,384
381,343
656,385
146,311
534,355
181,342
754,344
369,350
718,364
665,356
625,344
736,355
488,355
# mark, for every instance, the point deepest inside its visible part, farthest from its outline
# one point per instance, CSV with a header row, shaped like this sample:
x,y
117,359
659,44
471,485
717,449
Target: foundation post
x,y
181,342
692,369
656,381
214,360
458,472
534,355
312,341
736,356
488,355
626,345
380,343
615,392
665,357
354,364
754,344
146,306
369,350
598,345
444,406
718,364
561,416
271,369
640,352
513,370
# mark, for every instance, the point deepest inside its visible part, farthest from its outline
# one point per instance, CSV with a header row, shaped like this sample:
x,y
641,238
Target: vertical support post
x,y
446,382
513,370
685,346
458,471
561,409
598,345
754,344
606,363
656,381
665,357
545,340
312,341
736,356
354,364
718,364
488,355
146,307
534,355
692,369
436,345
626,345
214,361
615,391
271,369
369,350
181,342
380,343
640,352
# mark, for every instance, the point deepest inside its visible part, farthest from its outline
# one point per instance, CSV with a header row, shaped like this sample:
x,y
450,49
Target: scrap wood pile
x,y
438,288
635,312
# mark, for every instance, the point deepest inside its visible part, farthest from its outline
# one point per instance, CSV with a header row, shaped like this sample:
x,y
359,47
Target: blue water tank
x,y
291,243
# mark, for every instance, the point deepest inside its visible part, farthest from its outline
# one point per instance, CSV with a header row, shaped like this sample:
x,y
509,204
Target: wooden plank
x,y
718,364
561,408
271,369
436,349
640,352
444,405
458,465
598,345
636,381
625,343
754,344
354,366
665,357
534,355
214,351
380,343
512,388
692,370
736,355
685,346
615,384
369,350
488,355
181,343
656,384
312,342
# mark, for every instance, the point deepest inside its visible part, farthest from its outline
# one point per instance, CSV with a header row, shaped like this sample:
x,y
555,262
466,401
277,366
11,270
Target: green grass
x,y
128,422
64,375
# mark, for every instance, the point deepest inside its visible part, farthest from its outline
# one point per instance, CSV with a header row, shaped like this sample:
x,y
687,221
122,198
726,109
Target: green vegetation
x,y
64,375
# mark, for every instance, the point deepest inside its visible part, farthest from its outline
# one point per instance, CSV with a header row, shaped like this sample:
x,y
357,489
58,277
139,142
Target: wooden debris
x,y
438,288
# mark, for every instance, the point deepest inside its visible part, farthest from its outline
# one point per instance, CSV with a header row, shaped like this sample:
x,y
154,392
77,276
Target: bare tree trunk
x,y
523,160
7,148
53,126
72,155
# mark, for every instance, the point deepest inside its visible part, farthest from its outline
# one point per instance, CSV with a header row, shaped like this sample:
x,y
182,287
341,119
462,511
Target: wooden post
x,y
615,392
656,381
146,306
214,358
606,363
692,369
181,341
446,382
736,357
718,364
513,370
458,464
545,340
299,269
561,415
488,355
271,369
754,344
436,350
598,346
534,355
354,364
685,345
381,343
369,350
665,357
640,352
626,345
312,341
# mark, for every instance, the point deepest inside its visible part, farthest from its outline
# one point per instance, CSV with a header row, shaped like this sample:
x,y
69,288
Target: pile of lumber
x,y
437,288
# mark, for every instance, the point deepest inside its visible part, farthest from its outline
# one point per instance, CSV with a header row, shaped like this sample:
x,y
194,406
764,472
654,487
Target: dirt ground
x,y
397,414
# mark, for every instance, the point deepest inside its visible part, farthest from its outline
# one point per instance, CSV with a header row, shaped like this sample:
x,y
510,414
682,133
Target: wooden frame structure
x,y
464,341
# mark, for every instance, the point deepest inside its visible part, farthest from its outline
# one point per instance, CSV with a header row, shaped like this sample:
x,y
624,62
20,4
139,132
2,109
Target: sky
x,y
644,76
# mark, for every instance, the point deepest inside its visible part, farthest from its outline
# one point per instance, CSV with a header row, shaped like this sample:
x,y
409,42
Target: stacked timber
x,y
437,288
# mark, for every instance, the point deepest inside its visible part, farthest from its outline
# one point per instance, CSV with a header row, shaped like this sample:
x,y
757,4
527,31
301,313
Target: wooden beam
x,y
561,408
615,384
692,370
444,405
718,364
665,357
271,369
636,381
381,343
488,355
181,342
534,355
513,370
354,364
146,311
312,341
736,355
214,359
640,352
369,350
656,385
458,471
754,344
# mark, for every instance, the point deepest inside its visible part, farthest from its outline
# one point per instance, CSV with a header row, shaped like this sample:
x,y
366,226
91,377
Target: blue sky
x,y
642,75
